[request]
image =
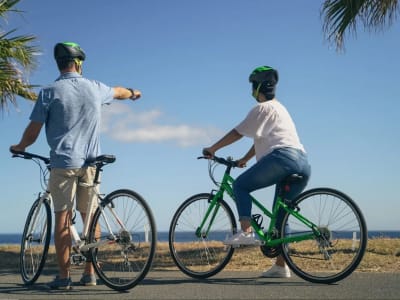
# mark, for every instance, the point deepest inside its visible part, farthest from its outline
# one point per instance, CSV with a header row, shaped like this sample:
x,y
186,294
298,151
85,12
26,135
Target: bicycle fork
x,y
209,215
43,232
30,236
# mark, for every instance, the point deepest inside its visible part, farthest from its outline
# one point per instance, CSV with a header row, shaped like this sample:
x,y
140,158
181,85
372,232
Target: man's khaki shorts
x,y
64,188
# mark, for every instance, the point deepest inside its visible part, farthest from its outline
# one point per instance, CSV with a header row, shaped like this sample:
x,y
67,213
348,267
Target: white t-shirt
x,y
271,127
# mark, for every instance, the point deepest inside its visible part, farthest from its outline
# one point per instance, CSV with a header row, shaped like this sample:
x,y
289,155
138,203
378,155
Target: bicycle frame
x,y
267,237
82,241
95,196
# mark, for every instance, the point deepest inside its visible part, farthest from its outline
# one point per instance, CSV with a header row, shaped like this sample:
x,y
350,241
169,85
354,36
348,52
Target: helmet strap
x,y
78,63
256,92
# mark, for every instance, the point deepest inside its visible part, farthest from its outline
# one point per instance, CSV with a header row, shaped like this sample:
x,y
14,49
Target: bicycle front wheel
x,y
35,241
201,253
338,250
125,230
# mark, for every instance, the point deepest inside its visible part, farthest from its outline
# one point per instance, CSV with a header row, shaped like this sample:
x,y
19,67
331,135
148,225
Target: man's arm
x,y
30,135
122,93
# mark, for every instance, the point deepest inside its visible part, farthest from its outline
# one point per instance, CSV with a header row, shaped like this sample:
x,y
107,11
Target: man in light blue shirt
x,y
70,108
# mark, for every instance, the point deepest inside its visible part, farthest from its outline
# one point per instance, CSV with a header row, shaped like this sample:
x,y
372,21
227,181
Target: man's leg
x,y
62,242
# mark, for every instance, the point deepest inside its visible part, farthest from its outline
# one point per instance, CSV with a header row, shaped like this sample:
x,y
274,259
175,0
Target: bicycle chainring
x,y
271,252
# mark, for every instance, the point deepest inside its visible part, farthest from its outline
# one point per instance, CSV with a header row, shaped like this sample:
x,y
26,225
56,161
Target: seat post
x,y
97,174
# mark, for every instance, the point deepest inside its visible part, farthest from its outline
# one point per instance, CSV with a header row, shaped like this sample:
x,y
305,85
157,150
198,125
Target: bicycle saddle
x,y
105,158
293,178
285,184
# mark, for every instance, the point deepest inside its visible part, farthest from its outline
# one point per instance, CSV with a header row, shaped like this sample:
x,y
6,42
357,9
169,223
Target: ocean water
x,y
162,236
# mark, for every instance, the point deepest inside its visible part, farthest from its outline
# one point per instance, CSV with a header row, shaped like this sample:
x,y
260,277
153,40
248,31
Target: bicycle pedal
x,y
258,219
77,259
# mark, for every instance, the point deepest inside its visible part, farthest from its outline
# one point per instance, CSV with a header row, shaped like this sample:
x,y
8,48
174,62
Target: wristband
x,y
133,94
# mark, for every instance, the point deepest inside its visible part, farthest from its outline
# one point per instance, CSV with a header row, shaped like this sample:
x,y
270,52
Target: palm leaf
x,y
17,59
341,16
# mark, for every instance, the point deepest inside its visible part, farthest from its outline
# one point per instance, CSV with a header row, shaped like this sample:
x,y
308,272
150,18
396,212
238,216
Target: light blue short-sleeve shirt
x,y
70,108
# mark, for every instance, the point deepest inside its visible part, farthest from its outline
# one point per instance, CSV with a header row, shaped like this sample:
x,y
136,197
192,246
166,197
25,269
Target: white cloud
x,y
123,124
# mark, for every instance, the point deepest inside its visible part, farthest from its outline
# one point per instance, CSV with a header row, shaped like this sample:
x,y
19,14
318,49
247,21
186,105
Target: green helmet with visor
x,y
264,80
68,51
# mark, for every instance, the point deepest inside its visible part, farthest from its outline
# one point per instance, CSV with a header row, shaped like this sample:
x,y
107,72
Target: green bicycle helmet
x,y
264,80
68,51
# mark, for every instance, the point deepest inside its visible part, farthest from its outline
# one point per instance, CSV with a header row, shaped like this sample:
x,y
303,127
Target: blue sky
x,y
191,60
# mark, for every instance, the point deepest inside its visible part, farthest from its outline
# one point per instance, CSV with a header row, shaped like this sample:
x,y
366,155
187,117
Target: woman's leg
x,y
266,172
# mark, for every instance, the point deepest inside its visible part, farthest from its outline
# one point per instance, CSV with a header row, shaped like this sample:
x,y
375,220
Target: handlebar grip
x,y
22,154
206,153
15,152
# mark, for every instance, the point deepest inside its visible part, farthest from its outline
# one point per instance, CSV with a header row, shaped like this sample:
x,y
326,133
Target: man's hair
x,y
64,64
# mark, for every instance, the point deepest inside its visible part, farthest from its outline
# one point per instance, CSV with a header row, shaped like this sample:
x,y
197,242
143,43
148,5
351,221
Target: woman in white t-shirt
x,y
278,152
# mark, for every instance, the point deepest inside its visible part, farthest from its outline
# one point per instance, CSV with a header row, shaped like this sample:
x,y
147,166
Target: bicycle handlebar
x,y
28,155
102,159
229,162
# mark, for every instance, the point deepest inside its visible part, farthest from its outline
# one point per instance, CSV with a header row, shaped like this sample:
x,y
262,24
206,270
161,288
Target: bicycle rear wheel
x,y
35,241
126,255
338,251
201,255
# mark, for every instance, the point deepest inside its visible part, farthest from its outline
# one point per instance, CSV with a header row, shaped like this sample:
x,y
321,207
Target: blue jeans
x,y
270,170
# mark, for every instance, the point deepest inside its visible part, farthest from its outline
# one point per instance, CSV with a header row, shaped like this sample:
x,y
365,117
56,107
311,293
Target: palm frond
x,y
380,14
18,48
7,6
342,16
17,58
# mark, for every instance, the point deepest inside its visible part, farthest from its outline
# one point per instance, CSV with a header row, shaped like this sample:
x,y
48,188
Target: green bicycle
x,y
322,236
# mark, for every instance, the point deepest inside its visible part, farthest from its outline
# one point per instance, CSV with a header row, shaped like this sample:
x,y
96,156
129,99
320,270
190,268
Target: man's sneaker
x,y
60,284
277,272
88,280
242,238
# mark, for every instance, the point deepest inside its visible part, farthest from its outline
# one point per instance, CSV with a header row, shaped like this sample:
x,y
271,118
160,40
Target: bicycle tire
x,y
204,256
35,241
122,262
337,253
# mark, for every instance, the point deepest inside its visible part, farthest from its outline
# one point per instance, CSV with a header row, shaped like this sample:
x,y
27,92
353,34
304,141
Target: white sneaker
x,y
242,238
277,272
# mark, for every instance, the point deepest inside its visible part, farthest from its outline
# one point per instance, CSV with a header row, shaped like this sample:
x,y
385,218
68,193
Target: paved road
x,y
226,285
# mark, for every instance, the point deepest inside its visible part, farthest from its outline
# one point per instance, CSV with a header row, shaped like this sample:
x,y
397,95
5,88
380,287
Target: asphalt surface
x,y
225,285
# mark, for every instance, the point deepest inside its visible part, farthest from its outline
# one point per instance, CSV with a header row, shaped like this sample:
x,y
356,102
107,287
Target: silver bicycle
x,y
120,239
